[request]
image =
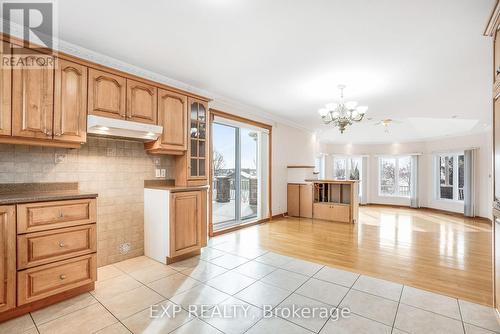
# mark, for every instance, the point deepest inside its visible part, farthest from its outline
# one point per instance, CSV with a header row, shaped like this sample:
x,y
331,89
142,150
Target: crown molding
x,y
218,101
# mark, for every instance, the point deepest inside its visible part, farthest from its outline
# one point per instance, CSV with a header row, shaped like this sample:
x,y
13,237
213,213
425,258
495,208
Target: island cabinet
x,y
172,115
332,200
299,199
175,222
49,251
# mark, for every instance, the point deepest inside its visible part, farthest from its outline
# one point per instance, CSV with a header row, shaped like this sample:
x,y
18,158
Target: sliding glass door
x,y
236,174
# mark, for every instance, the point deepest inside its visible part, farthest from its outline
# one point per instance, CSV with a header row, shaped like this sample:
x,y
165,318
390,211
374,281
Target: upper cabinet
x,y
141,102
172,115
5,102
107,94
70,102
198,144
32,101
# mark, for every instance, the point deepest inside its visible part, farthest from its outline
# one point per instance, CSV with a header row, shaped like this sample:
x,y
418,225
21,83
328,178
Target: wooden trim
x,y
236,118
493,20
90,64
38,142
242,226
26,308
219,113
185,256
293,166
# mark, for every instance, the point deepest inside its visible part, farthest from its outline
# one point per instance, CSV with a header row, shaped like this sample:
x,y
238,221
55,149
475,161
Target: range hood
x,y
111,127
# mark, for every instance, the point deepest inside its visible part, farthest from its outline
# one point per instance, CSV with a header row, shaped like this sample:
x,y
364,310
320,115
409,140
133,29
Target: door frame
x,y
223,114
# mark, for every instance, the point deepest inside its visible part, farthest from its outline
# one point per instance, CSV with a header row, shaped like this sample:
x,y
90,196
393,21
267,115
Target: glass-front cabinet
x,y
198,140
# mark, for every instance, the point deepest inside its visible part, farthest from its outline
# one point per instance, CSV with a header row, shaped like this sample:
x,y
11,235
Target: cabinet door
x,y
5,103
306,204
106,96
293,200
8,254
32,101
198,134
185,222
172,115
141,102
70,102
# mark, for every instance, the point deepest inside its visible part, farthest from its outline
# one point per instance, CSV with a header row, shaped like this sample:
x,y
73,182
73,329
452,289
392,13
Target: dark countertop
x,y
169,185
16,193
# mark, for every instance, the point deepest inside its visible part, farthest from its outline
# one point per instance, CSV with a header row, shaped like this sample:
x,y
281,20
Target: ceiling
x,y
423,63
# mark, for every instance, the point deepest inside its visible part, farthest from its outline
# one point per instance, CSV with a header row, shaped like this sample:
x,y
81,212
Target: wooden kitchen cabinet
x,y
299,200
141,102
8,254
185,222
70,102
192,167
172,115
107,94
5,89
32,101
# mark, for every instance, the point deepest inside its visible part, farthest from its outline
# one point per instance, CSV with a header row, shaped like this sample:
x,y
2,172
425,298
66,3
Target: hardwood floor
x,y
425,249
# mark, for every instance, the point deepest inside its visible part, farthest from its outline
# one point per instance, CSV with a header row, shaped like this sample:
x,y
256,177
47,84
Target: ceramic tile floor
x,y
228,273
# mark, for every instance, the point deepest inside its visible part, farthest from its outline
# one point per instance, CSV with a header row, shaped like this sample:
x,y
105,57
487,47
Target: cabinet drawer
x,y
34,217
34,249
44,281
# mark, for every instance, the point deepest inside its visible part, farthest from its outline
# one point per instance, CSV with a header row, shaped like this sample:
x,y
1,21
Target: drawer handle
x,y
62,276
62,244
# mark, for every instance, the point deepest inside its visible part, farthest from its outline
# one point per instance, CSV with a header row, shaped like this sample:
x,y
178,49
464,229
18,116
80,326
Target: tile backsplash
x,y
113,168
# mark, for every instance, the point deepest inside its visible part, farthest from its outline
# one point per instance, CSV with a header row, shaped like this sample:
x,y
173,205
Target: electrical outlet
x,y
59,158
157,172
156,161
163,172
124,248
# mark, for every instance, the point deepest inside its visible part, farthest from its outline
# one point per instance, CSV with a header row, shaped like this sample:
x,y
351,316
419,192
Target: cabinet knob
x,y
57,134
61,244
61,214
62,276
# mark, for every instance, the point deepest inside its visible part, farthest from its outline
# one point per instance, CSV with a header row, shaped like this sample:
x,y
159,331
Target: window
x,y
348,168
319,166
450,183
395,176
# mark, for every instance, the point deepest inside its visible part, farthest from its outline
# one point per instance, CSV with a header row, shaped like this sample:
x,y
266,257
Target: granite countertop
x,y
169,185
16,193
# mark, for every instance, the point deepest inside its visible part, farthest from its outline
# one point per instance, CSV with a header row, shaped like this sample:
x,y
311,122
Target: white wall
x,y
481,141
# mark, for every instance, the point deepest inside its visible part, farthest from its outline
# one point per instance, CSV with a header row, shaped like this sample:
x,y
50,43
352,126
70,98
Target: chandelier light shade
x,y
343,113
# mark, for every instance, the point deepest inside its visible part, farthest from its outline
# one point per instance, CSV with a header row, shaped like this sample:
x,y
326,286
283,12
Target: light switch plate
x,y
163,172
157,172
59,158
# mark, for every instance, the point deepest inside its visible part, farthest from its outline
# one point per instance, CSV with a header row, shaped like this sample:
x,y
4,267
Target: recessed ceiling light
x,y
454,116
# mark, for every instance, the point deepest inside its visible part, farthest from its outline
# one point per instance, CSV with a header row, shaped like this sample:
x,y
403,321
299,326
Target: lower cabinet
x,y
53,256
8,253
185,222
299,200
334,212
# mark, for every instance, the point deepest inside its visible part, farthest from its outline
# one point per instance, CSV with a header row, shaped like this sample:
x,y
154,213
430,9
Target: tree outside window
x,y
395,176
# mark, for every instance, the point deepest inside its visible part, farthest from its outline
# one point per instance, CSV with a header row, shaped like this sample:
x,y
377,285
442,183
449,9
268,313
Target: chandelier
x,y
343,113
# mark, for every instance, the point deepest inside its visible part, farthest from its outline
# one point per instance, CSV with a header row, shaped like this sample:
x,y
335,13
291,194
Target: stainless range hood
x,y
111,127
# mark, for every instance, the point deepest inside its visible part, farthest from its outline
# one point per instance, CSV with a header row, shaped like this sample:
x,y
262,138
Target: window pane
x,y
387,176
446,177
404,174
194,148
461,176
339,168
194,167
354,168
